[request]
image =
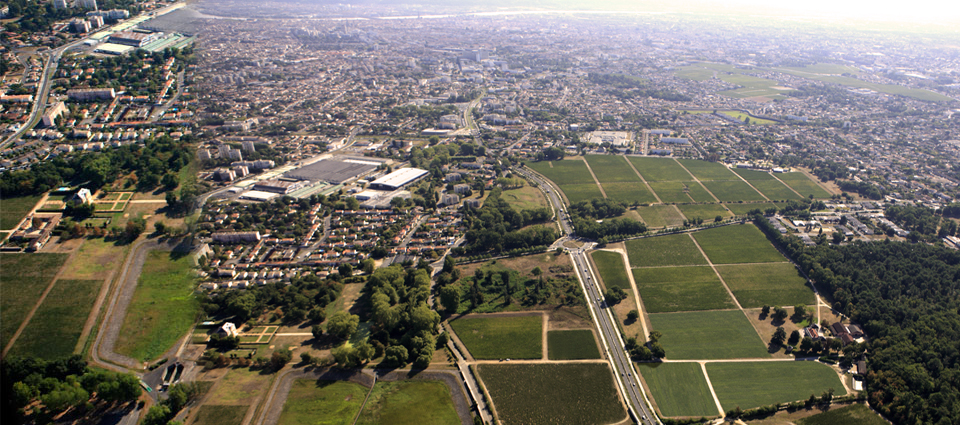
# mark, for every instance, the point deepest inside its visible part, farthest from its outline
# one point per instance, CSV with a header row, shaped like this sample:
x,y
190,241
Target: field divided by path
x,y
708,335
679,389
25,276
735,244
772,284
618,179
572,176
803,185
55,328
770,382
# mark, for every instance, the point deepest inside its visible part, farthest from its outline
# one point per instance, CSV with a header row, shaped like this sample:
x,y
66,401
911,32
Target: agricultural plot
x,y
659,169
210,414
679,389
12,210
577,344
25,276
757,285
660,216
695,73
737,244
581,192
565,172
803,185
525,198
707,335
681,192
491,338
659,251
670,289
629,193
747,118
855,414
742,209
552,393
775,190
704,170
611,168
610,266
55,328
752,175
770,382
708,212
894,89
732,191
409,402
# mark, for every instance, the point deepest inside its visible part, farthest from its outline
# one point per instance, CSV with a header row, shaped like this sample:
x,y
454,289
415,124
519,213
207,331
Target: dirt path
x,y
695,179
642,179
750,184
703,367
95,311
595,179
636,292
785,184
544,351
710,263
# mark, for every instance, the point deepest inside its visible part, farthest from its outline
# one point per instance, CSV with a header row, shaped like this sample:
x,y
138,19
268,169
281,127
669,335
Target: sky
x,y
906,10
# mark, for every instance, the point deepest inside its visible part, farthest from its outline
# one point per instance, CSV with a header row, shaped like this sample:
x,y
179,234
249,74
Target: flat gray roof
x,y
331,171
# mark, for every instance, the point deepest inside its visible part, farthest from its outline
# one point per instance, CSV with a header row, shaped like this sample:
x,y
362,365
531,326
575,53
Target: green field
x,y
749,93
733,190
704,170
552,393
824,68
409,403
524,198
775,190
659,251
611,168
679,389
737,244
611,269
25,276
803,185
659,169
695,73
752,175
629,193
894,89
574,344
854,414
564,172
757,285
660,216
705,335
770,382
581,192
313,402
55,328
742,209
210,414
163,307
12,210
681,192
669,289
492,338
708,212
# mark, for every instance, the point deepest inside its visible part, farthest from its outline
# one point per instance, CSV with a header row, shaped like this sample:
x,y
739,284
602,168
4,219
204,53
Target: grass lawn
x,y
669,289
96,259
494,338
704,170
313,402
163,307
681,192
679,389
757,285
669,250
552,393
524,198
803,185
567,172
732,191
775,190
612,168
660,216
574,344
770,382
629,193
25,276
210,414
854,414
12,210
55,328
581,192
750,93
708,335
737,244
409,402
708,212
659,169
743,209
611,269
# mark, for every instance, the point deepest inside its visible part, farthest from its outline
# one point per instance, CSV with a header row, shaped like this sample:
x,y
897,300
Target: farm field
x,y
749,92
25,276
824,68
659,169
660,216
704,170
163,307
409,402
854,414
679,389
767,383
707,335
803,185
581,192
737,244
552,393
629,193
240,387
211,414
576,344
681,192
524,198
742,209
732,190
55,328
670,289
491,338
756,285
695,73
668,250
708,212
775,190
12,210
564,172
611,168
611,269
752,175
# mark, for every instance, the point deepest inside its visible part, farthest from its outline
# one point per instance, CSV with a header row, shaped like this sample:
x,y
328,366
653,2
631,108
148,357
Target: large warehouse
x,y
332,171
398,179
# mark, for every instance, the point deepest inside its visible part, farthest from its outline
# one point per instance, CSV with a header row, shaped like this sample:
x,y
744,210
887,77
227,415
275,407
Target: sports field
x,y
670,289
491,338
55,328
409,403
577,344
660,216
705,335
679,389
704,170
757,285
770,382
803,185
668,250
681,192
708,212
659,169
611,168
553,393
326,402
611,269
629,193
737,244
25,276
732,190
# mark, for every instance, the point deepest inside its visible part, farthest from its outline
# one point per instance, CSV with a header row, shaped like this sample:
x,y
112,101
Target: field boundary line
x,y
635,170
544,352
751,185
698,182
816,181
706,376
785,184
595,179
633,284
717,272
43,296
364,404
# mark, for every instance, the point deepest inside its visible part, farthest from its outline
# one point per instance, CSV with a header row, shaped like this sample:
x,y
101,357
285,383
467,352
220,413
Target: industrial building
x,y
282,187
333,171
130,38
398,179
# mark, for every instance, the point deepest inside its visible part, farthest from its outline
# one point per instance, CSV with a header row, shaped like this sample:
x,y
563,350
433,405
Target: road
x,y
552,195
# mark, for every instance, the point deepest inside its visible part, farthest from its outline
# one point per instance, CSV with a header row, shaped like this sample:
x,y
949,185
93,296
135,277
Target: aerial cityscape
x,y
553,212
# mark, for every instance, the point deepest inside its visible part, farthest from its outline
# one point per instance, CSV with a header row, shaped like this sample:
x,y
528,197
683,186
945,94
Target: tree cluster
x,y
497,227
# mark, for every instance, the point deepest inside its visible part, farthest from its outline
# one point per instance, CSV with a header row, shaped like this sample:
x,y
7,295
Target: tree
x,y
281,357
395,356
343,324
765,311
655,336
799,311
317,314
450,298
345,270
632,316
134,228
778,336
317,331
779,314
806,344
157,415
794,338
306,358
